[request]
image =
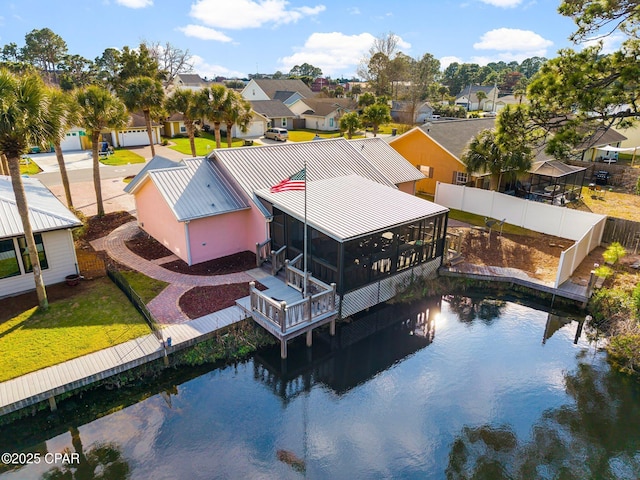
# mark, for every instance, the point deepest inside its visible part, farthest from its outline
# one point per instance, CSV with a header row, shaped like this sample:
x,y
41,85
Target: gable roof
x,y
393,165
190,79
193,188
256,168
454,135
270,87
46,212
603,136
271,108
321,107
155,163
474,89
341,207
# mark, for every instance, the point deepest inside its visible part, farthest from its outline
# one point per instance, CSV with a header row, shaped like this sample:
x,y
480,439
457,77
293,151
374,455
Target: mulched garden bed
x,y
147,247
238,262
200,301
98,227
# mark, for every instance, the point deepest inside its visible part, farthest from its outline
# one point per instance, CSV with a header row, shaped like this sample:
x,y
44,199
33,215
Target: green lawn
x,y
122,157
205,144
29,167
147,288
98,317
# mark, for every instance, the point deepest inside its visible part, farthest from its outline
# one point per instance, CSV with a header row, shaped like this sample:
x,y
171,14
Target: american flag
x,y
294,182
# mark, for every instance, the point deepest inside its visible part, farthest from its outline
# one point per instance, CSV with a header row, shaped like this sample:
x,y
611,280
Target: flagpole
x,y
304,287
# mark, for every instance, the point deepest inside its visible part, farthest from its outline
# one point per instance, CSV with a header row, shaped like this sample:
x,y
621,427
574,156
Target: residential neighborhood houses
x,y
381,190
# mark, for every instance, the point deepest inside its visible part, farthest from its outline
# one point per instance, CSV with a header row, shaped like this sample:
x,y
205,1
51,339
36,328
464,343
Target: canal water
x,y
447,388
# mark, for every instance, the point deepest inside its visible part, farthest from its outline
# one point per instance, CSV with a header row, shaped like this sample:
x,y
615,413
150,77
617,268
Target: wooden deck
x,y
45,384
282,310
568,289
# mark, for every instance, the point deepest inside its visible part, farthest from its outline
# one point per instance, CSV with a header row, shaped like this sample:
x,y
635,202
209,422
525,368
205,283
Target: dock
x,y
568,289
47,383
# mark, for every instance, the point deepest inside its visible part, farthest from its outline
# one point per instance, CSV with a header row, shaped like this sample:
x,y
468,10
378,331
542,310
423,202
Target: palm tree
x,y
99,109
217,102
24,106
350,123
376,114
188,104
62,115
237,112
146,94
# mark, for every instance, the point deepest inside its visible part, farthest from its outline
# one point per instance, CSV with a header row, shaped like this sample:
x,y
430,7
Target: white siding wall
x,y
61,257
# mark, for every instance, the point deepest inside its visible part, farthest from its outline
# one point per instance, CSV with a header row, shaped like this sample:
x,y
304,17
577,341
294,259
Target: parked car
x,y
279,134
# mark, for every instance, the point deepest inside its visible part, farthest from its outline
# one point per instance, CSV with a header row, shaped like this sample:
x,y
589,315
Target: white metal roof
x,y
46,212
351,206
386,159
197,189
256,168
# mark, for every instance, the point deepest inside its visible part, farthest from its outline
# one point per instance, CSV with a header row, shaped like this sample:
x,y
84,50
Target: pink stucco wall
x,y
407,187
209,238
156,218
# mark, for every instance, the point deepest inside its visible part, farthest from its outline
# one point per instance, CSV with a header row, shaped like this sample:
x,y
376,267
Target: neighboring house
x,y
407,112
323,114
256,127
502,102
189,81
133,135
75,139
287,91
275,112
468,97
174,125
594,150
436,150
51,222
365,235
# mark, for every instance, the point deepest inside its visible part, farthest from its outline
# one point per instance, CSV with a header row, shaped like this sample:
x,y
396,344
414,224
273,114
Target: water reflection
x,y
368,345
595,437
469,309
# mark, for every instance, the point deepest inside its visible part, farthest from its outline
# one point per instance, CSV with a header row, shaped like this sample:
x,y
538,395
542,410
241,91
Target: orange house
x,y
436,149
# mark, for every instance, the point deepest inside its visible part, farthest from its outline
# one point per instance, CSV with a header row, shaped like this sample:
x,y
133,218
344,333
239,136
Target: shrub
x,y
624,352
635,295
614,253
638,186
608,306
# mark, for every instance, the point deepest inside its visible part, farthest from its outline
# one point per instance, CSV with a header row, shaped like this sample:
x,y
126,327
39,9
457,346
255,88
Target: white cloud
x,y
241,14
503,3
204,33
446,61
211,71
334,53
354,11
523,42
135,3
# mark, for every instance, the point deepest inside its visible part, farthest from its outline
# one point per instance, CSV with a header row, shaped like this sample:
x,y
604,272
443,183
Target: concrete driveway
x,y
73,160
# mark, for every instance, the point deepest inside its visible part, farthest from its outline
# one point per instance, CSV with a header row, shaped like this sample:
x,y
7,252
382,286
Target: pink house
x,y
206,208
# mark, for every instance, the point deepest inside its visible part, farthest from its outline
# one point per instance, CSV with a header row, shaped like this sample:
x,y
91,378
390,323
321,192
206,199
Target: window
x,y
24,253
183,129
8,259
427,170
284,122
460,178
331,122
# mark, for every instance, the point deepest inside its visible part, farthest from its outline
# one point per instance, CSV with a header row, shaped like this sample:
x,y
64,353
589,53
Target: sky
x,y
234,38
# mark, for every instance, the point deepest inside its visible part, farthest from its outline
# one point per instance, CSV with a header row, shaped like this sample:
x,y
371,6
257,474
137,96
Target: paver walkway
x,y
165,306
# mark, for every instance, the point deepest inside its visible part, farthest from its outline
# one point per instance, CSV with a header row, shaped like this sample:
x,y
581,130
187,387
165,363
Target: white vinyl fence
x,y
584,228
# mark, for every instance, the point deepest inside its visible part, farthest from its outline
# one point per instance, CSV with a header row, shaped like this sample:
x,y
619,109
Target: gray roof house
x,y
52,223
206,208
287,91
276,112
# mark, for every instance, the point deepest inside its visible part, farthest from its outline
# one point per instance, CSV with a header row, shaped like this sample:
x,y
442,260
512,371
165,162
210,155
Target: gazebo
x,y
552,181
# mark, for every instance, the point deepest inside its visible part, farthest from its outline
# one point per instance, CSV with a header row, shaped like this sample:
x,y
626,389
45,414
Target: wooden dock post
x,y
52,403
283,348
309,338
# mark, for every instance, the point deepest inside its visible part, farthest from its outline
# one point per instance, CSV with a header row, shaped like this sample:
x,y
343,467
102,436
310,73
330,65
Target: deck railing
x,y
263,252
289,315
278,259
